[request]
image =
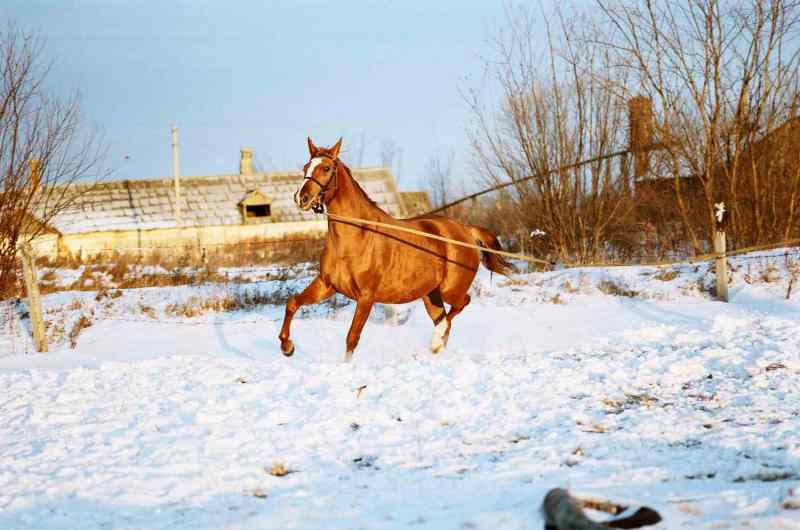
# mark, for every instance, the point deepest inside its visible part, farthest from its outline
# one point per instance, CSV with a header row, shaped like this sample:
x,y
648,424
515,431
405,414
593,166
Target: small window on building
x,y
257,210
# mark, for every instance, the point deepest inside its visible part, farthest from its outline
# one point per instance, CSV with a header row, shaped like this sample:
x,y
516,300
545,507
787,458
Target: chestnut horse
x,y
373,264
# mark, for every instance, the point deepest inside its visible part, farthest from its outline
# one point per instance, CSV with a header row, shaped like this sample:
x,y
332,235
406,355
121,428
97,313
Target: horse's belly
x,y
392,278
402,297
396,286
400,287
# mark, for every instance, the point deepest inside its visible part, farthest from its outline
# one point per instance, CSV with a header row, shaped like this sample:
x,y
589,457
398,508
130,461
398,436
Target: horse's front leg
x,y
316,292
363,307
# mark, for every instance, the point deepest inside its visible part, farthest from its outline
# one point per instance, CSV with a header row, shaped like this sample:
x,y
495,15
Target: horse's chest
x,y
349,276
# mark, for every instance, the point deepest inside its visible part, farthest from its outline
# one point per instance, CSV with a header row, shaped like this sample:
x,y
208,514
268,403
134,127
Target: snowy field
x,y
630,384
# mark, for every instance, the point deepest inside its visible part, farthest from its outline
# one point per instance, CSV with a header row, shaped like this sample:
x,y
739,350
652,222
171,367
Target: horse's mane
x,y
358,187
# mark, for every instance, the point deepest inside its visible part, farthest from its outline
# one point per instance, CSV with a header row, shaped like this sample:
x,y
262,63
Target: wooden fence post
x,y
31,277
721,266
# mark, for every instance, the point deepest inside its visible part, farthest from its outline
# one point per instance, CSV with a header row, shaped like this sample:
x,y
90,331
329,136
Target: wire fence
x,y
717,254
197,248
179,322
172,265
108,271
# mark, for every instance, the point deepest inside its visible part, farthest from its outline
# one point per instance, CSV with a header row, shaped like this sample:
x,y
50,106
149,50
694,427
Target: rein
x,y
357,221
656,263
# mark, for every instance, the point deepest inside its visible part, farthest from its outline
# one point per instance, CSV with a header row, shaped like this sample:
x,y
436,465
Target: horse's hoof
x,y
290,351
348,357
437,349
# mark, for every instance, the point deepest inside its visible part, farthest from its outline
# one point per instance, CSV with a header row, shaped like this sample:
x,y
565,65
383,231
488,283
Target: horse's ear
x,y
312,149
336,147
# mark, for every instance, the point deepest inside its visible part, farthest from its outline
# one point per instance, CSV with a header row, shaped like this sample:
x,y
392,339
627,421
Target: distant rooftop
x,y
205,201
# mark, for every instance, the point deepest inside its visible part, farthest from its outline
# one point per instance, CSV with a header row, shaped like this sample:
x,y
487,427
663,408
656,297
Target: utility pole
x,y
176,177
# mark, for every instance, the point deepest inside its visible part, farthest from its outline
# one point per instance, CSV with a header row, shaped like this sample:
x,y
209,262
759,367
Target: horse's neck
x,y
350,201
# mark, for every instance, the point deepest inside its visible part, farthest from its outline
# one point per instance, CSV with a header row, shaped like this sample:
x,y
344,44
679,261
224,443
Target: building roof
x,y
205,201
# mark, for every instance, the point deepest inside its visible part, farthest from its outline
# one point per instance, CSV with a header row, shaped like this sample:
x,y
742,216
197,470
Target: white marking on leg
x,y
437,342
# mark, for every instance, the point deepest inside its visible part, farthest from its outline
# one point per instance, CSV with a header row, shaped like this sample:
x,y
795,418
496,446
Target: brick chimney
x,y
35,166
246,161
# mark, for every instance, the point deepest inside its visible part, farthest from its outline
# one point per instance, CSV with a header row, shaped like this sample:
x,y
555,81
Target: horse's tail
x,y
493,262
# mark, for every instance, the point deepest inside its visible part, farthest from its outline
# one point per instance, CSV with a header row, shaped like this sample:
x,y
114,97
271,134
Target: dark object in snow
x,y
365,462
355,426
565,512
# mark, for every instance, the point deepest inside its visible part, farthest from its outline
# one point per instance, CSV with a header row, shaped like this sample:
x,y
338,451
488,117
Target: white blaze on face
x,y
312,166
309,173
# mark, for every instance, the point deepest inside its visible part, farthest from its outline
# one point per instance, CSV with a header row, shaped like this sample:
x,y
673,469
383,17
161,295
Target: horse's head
x,y
319,177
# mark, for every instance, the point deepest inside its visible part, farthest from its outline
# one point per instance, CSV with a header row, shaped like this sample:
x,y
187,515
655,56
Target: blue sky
x,y
266,74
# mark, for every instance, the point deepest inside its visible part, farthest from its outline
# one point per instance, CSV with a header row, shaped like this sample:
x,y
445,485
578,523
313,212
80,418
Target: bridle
x,y
319,206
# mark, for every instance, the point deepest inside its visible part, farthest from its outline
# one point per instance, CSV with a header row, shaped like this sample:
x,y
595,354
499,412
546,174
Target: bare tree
x,y
388,152
391,156
555,112
354,150
358,146
723,77
439,171
44,151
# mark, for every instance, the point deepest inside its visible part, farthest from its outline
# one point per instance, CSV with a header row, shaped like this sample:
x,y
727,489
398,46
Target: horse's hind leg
x,y
316,292
435,308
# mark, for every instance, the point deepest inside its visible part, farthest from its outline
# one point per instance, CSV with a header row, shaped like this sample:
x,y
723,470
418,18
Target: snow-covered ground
x,y
630,384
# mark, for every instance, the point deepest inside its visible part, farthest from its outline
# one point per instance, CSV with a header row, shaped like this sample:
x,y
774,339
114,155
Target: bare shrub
x,y
666,275
105,293
82,323
120,269
234,301
147,310
92,278
770,273
615,289
794,274
556,299
278,470
192,266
